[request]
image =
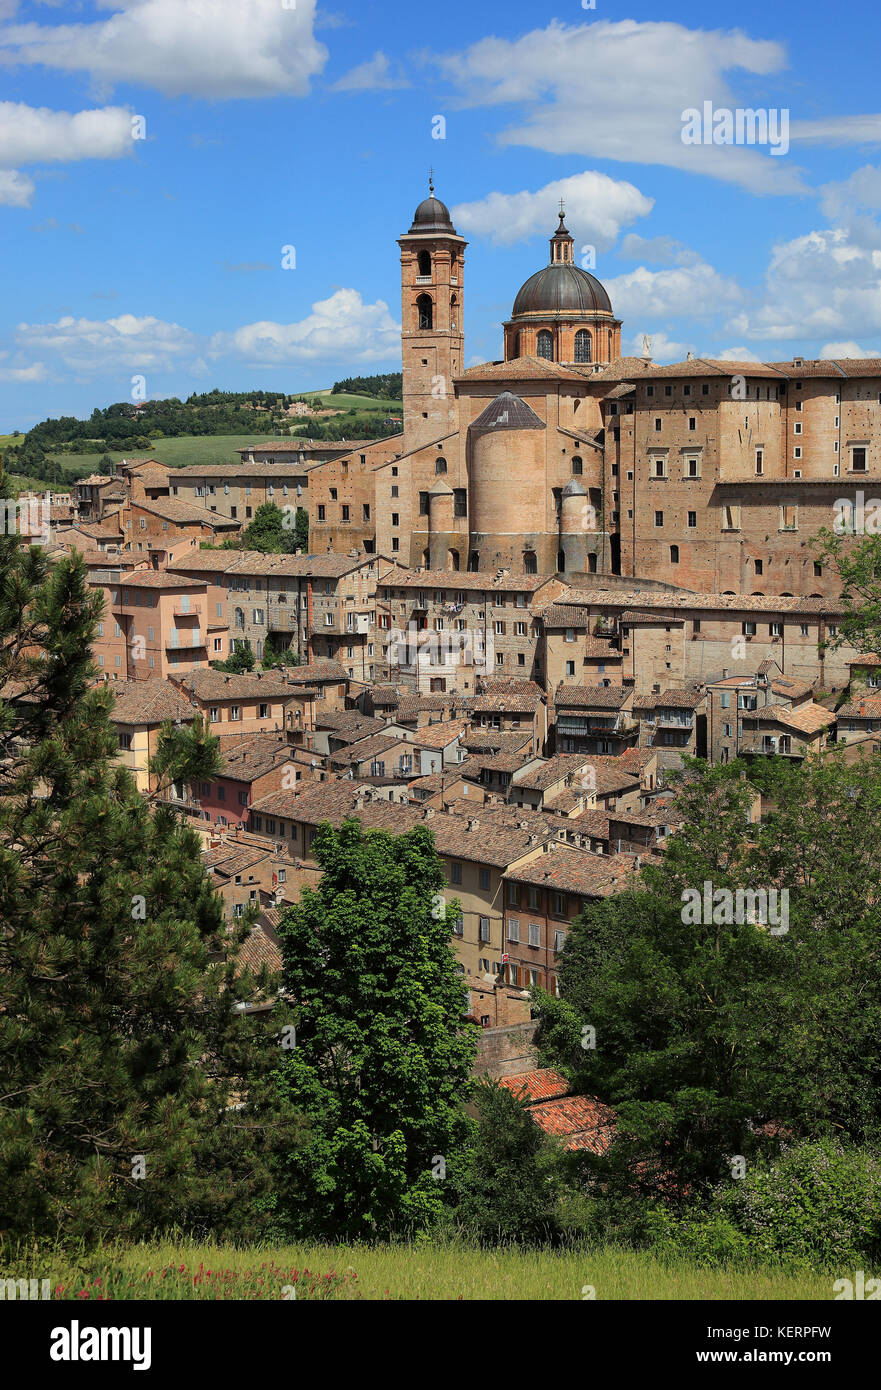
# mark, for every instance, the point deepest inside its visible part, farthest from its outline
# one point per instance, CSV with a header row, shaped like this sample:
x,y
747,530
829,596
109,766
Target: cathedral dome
x,y
432,216
562,288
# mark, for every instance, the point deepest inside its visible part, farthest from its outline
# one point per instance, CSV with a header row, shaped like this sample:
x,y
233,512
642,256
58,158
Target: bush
x,y
817,1205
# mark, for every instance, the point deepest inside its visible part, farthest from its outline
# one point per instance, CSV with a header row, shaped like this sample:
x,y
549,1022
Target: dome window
x,y
545,345
583,346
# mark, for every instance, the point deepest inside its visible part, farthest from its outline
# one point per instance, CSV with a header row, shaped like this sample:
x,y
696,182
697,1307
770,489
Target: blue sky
x,y
270,124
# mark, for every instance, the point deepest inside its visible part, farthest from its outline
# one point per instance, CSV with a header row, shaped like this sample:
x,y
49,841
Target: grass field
x,y
188,1271
183,450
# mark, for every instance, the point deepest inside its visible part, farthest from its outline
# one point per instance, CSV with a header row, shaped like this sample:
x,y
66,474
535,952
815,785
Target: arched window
x,y
424,263
425,310
452,559
545,344
674,554
610,344
440,465
530,563
474,561
453,306
426,560
239,618
259,649
577,465
561,560
583,346
516,344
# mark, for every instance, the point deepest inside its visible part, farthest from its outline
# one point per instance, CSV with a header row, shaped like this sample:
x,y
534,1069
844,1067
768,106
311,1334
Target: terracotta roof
x,y
805,719
158,579
865,707
529,1086
508,702
867,659
645,601
248,757
580,1121
520,369
592,696
593,823
467,580
439,735
551,770
172,509
149,702
218,685
679,699
569,870
259,950
497,741
370,747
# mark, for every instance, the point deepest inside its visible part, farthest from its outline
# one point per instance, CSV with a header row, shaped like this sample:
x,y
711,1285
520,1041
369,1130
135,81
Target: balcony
x,y
284,616
768,746
180,611
182,639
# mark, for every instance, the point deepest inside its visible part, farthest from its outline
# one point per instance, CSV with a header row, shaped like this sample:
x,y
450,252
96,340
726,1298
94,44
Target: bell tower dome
x,y
432,336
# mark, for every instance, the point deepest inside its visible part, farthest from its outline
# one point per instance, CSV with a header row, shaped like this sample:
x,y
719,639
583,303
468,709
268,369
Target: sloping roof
x,y
551,770
440,735
149,702
520,369
592,696
246,758
508,412
467,580
866,707
209,684
569,870
511,701
543,1084
808,718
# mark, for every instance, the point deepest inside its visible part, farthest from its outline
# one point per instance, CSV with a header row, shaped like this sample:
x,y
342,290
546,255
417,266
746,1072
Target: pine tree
x,y
135,1095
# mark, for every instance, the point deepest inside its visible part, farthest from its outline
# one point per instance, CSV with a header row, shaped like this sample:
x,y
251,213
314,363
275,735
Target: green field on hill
x,y
185,1270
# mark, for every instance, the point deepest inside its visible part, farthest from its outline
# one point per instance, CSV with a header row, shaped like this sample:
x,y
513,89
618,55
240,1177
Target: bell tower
x,y
432,337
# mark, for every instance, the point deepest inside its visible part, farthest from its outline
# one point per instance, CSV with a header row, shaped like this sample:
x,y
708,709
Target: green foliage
x,y
119,1035
857,564
278,655
510,1180
711,1036
384,386
241,659
817,1205
382,1053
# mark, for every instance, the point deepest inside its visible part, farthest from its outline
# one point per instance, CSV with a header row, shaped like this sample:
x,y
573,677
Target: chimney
x,y
474,825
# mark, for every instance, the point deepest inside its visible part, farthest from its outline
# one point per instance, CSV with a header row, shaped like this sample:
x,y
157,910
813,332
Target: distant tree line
x,y
385,386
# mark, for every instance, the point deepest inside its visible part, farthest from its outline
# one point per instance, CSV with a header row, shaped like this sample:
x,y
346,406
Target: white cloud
x,y
831,351
691,291
617,90
597,207
126,343
735,354
663,349
38,135
838,130
373,76
657,250
340,328
821,285
216,49
860,191
16,190
35,372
